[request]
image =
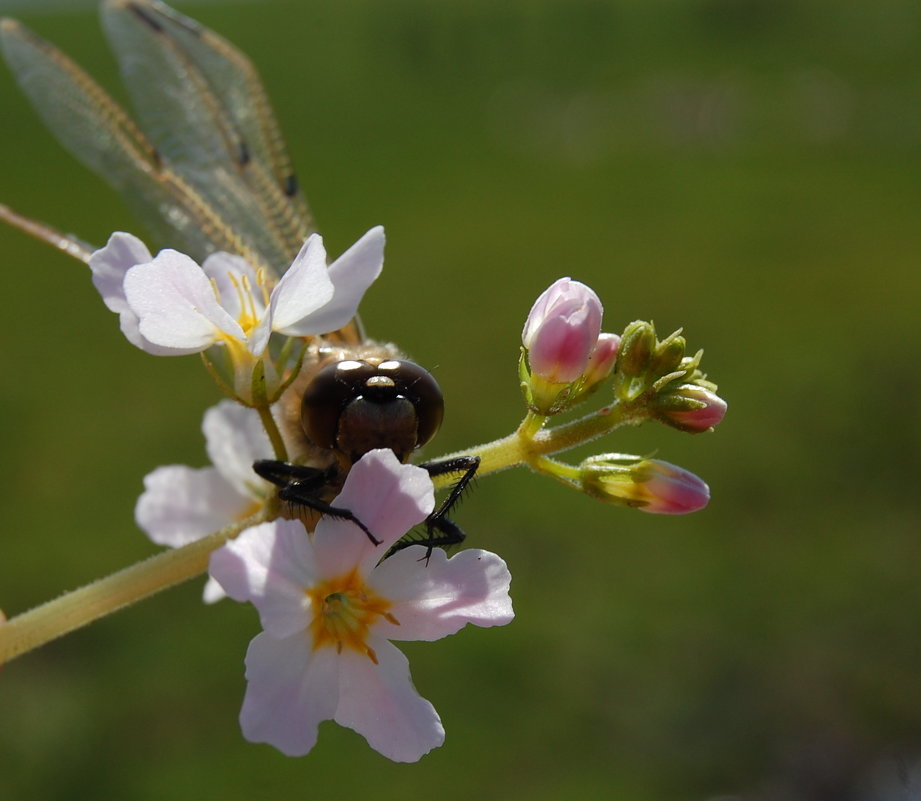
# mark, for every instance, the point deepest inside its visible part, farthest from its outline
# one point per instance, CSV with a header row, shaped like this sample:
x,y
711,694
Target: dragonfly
x,y
206,168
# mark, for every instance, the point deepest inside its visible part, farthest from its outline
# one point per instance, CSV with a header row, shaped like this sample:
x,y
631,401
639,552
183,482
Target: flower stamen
x,y
345,612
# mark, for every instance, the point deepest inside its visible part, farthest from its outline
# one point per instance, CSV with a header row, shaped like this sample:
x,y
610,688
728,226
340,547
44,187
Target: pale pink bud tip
x,y
601,362
647,484
562,330
703,417
672,490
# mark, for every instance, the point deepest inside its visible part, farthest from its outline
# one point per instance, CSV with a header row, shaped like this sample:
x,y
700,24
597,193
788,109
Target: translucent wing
x,y
207,167
199,185
204,108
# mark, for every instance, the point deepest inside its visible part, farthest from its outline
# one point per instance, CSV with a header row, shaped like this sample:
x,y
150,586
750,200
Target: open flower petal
x,y
109,265
181,504
234,439
378,701
270,565
290,690
304,288
388,497
176,305
351,274
470,587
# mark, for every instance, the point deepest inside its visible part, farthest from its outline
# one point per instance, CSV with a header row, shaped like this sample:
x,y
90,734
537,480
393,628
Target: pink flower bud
x,y
672,490
650,485
601,362
561,331
692,408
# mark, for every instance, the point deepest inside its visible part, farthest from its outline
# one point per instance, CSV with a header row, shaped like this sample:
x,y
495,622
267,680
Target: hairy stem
x,y
76,609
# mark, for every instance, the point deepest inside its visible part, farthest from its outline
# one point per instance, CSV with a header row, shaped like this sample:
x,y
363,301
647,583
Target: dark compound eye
x,y
330,391
419,386
395,404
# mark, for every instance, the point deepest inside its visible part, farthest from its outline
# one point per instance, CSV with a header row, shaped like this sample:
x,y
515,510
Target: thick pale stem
x,y
80,607
531,442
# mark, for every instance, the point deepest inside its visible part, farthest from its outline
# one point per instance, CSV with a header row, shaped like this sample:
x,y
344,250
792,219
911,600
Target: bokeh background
x,y
747,169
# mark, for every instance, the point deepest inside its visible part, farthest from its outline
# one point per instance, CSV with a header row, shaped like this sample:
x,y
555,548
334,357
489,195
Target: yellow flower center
x,y
345,609
250,311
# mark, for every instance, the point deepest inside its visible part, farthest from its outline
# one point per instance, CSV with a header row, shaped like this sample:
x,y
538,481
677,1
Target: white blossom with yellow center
x,y
169,305
329,606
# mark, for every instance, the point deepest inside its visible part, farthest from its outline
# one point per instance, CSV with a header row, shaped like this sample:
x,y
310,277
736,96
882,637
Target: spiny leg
x,y
302,485
448,532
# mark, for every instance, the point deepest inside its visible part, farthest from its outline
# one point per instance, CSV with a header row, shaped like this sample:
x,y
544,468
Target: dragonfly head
x,y
354,406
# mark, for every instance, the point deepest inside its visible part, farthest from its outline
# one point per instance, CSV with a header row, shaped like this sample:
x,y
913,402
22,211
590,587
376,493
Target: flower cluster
x,y
332,600
329,601
565,358
659,374
312,528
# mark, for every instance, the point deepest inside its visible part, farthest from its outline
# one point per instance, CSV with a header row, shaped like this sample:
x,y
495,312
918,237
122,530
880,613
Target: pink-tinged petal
x,y
672,490
181,504
290,690
234,439
388,497
352,273
707,408
175,304
561,331
561,299
603,358
227,272
381,704
270,565
650,485
303,289
435,600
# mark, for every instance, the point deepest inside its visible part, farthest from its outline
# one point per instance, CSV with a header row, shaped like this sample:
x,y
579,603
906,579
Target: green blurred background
x,y
747,169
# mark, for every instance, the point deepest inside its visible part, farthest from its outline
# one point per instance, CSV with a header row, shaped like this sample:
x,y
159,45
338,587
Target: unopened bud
x,y
636,349
668,355
602,360
650,485
561,331
690,407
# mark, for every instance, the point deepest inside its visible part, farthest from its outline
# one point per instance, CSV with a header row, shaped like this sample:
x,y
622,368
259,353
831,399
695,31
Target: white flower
x,y
182,504
169,305
329,608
